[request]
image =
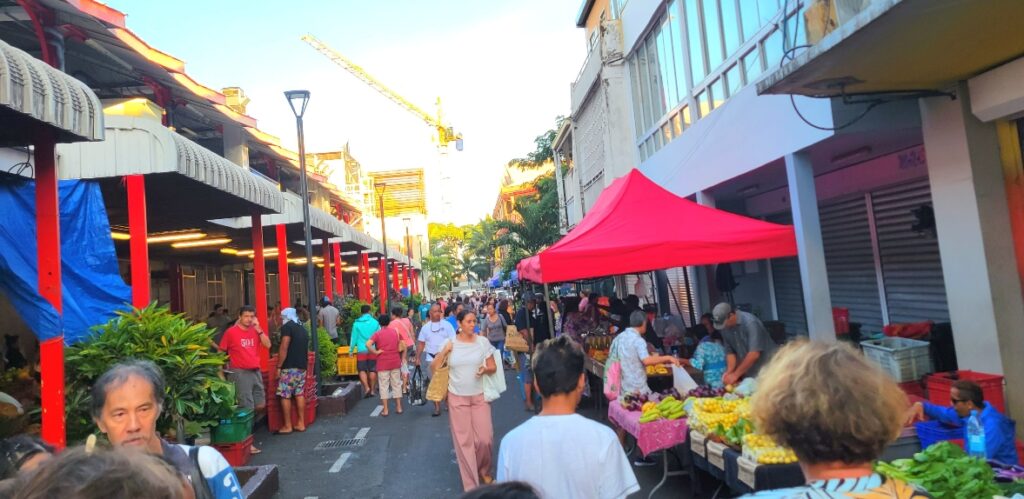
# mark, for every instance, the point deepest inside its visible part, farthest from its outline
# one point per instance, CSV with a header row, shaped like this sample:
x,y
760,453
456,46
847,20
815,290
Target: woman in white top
x,y
470,357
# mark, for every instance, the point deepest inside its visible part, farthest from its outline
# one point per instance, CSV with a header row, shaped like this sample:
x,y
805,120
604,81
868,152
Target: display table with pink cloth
x,y
651,437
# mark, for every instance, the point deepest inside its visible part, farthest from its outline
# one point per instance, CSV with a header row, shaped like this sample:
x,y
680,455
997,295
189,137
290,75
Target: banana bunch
x,y
658,370
668,408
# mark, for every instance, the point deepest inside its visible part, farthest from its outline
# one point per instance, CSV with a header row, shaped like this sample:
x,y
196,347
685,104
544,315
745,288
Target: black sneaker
x,y
644,461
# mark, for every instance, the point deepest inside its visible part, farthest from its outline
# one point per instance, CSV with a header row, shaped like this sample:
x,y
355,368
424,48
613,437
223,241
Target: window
x,y
645,86
733,80
713,30
677,122
666,132
750,18
752,64
654,89
638,109
730,26
773,50
693,37
767,9
717,93
675,42
703,106
669,95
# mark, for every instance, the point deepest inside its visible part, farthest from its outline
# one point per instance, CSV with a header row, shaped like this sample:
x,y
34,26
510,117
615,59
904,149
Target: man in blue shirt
x,y
967,396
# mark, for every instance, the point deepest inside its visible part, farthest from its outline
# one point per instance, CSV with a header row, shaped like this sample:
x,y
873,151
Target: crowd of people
x,y
461,344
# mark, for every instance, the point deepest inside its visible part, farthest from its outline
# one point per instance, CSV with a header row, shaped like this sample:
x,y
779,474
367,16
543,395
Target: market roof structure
x,y
52,98
638,226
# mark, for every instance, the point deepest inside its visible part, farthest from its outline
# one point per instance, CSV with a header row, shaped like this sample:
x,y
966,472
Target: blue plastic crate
x,y
930,432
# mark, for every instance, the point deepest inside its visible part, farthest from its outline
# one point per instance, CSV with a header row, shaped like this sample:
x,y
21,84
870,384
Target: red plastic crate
x,y
939,386
913,388
237,454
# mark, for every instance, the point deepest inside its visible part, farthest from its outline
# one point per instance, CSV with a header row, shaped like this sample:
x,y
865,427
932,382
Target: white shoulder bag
x,y
494,384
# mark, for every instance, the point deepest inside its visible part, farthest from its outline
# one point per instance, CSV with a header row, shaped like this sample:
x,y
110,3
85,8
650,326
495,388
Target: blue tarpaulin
x,y
92,285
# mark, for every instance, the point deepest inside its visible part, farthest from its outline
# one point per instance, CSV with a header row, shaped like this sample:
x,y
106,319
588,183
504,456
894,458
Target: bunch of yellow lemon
x,y
765,450
708,414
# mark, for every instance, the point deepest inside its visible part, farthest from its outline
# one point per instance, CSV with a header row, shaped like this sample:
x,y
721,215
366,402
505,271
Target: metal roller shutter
x,y
679,299
789,296
850,261
911,268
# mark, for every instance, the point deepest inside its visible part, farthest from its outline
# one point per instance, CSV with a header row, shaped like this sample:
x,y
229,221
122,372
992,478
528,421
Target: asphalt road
x,y
401,456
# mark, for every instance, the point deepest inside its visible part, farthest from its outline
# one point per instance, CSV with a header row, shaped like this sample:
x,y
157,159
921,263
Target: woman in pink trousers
x,y
471,357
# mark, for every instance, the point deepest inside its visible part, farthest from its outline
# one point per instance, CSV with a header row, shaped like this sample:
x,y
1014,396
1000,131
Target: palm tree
x,y
473,266
440,268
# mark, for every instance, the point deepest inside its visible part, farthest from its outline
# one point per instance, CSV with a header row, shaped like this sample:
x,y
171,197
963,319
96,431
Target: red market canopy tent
x,y
638,226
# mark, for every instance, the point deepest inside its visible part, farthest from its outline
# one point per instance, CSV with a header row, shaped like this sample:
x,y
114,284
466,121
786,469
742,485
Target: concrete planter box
x,y
341,400
258,482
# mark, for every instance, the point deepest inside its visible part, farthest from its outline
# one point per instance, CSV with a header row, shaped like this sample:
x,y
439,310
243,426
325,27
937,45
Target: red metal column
x,y
339,285
284,287
405,279
383,287
139,248
364,285
260,278
328,287
412,277
394,275
51,351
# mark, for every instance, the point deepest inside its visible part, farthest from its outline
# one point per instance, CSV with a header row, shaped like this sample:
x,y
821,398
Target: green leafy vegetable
x,y
945,471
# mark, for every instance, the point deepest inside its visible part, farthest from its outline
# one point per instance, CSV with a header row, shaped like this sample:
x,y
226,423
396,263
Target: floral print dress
x,y
710,358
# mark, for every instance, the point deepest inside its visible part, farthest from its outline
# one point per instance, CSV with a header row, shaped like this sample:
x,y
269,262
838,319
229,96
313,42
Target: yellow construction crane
x,y
445,134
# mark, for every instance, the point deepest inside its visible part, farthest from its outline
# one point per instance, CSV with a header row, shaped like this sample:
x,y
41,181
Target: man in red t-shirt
x,y
242,343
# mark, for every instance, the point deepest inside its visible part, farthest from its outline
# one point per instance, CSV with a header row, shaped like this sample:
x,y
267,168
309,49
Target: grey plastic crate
x,y
902,358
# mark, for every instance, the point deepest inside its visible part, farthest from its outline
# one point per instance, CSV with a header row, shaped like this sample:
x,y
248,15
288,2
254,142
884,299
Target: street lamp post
x,y
386,299
408,240
298,99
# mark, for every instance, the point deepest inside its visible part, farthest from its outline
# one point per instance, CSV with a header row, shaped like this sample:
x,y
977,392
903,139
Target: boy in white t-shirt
x,y
556,451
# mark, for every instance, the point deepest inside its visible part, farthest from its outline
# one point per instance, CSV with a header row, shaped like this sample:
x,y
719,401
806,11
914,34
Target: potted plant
x,y
196,398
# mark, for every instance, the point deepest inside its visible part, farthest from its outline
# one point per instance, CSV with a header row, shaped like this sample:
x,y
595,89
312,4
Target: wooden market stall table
x,y
651,437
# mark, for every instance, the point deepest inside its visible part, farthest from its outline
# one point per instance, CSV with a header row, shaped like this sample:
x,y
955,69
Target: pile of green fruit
x,y
945,471
668,408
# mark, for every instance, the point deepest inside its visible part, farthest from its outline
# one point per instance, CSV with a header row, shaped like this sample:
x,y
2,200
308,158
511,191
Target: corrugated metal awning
x,y
31,87
140,146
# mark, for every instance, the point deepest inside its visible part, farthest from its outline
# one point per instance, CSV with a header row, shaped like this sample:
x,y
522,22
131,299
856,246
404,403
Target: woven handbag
x,y
438,388
514,342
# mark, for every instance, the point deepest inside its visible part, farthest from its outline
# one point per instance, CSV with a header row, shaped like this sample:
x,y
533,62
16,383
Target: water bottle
x,y
975,436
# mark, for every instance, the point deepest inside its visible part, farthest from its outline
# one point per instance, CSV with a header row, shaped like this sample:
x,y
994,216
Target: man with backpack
x,y
126,403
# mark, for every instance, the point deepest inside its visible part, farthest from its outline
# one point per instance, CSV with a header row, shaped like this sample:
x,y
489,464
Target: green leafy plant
x,y
945,471
195,392
328,354
350,311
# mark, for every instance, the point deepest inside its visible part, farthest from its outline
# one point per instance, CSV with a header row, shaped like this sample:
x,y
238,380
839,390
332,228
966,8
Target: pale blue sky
x,y
503,70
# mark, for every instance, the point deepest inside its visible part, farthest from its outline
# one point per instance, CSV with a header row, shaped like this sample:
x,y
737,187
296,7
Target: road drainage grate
x,y
335,444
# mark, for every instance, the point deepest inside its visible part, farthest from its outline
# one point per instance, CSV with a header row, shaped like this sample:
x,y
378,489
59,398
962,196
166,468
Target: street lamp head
x,y
297,99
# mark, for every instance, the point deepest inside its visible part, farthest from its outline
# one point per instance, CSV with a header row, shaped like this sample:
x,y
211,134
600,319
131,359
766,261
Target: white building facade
x,y
904,200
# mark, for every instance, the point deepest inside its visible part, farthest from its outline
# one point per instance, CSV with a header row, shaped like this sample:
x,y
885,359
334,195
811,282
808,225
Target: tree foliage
x,y
196,393
543,152
537,227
